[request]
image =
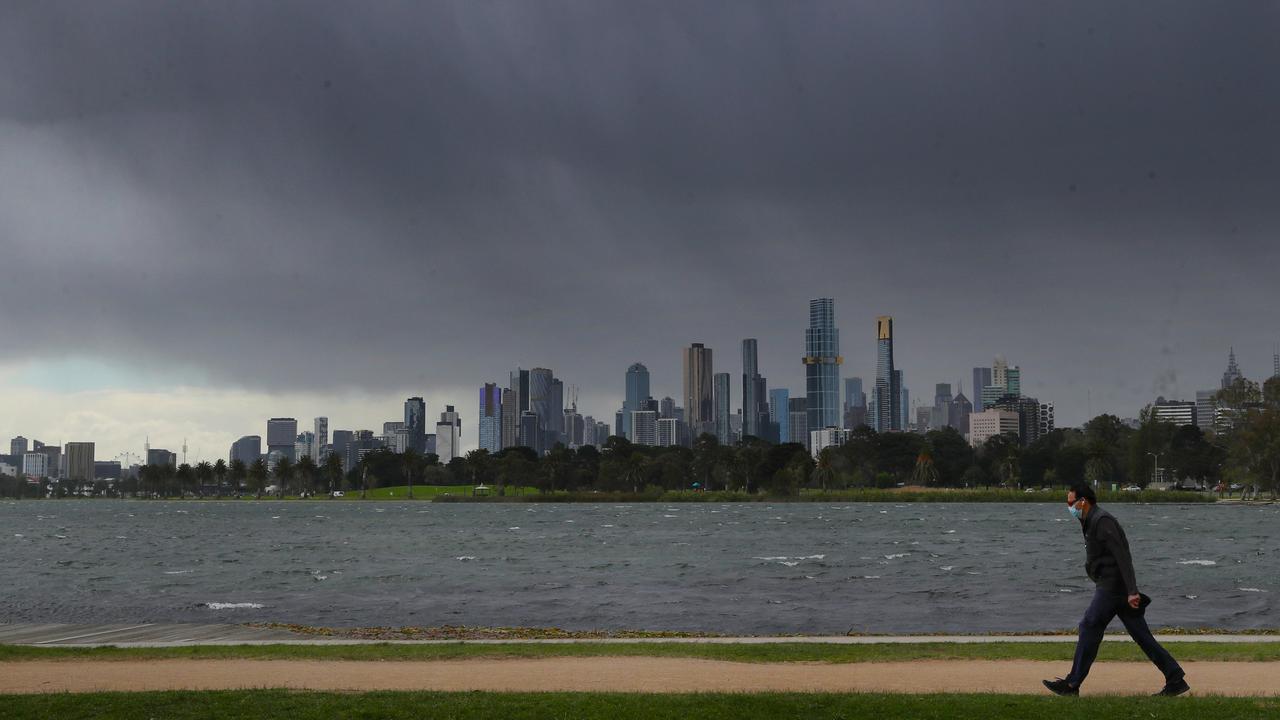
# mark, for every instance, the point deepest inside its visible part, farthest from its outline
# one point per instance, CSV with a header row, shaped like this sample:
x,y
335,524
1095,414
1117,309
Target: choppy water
x,y
736,568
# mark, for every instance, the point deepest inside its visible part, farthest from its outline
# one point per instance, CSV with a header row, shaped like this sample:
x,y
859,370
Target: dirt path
x,y
621,674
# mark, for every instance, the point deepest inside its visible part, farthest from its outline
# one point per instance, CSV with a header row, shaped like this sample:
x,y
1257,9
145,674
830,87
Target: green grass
x,y
231,705
422,492
898,495
736,652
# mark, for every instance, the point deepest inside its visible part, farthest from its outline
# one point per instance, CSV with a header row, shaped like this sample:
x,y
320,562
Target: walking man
x,y
1110,567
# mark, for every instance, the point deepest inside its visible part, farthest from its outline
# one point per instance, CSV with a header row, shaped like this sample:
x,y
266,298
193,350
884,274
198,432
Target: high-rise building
x,y
981,379
302,445
1013,381
1000,372
1034,418
886,394
602,433
644,427
666,407
961,409
621,419
940,413
448,435
1233,370
282,433
341,443
79,461
415,421
904,398
779,413
160,456
824,438
637,391
755,405
798,411
667,432
1177,412
555,413
249,448
320,439
540,399
989,423
822,366
699,392
530,431
574,428
723,404
490,414
853,393
18,446
1206,409
510,418
589,432
35,465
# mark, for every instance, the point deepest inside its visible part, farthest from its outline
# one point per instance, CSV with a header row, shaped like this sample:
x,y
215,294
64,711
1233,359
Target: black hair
x,y
1084,490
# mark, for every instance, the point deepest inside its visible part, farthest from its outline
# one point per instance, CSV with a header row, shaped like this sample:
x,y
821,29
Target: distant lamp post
x,y
1155,472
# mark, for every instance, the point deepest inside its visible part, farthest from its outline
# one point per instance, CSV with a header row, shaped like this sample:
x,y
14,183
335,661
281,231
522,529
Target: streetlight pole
x,y
1155,473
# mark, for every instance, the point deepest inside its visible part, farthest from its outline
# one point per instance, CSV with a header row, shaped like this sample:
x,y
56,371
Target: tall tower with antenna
x,y
1275,362
184,451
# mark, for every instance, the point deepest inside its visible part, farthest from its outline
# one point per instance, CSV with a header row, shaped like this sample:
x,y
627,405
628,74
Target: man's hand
x,y
1135,600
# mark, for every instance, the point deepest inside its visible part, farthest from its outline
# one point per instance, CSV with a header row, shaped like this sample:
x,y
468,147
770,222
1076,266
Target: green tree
x,y
238,472
925,473
204,476
307,473
186,478
257,475
283,475
410,463
220,474
333,471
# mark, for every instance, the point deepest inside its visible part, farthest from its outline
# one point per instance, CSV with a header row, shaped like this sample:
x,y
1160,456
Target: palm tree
x,y
204,473
307,471
925,472
635,471
824,472
186,476
220,472
258,477
283,475
410,460
333,471
238,472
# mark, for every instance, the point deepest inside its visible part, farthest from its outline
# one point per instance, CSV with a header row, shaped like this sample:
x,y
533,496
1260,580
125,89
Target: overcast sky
x,y
211,213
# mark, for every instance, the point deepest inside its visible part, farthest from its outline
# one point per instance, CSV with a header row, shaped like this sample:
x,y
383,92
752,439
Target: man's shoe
x,y
1061,687
1177,687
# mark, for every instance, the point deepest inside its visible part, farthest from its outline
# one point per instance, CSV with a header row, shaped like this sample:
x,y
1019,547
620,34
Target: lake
x,y
752,568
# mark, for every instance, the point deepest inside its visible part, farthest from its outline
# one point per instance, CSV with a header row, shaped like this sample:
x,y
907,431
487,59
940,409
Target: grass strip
x,y
231,705
737,652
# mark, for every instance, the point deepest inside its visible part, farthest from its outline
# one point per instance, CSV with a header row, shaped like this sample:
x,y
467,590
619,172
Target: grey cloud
x,y
393,195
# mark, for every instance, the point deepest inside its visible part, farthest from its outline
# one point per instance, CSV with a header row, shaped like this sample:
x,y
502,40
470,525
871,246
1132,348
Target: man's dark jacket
x,y
1107,558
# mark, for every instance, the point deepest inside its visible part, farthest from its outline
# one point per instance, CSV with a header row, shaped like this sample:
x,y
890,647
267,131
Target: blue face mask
x,y
1075,512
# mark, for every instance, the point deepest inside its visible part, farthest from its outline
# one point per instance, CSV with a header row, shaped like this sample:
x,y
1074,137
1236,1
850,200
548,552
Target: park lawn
x,y
231,705
734,652
422,492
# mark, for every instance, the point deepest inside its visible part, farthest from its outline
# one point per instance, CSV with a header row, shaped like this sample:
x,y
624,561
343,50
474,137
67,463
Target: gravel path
x,y
620,674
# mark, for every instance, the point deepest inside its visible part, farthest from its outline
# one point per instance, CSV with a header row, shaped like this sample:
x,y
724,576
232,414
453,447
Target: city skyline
x,y
233,226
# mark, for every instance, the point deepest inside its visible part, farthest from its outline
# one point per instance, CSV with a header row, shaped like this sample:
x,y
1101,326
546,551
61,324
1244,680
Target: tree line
x,y
1244,450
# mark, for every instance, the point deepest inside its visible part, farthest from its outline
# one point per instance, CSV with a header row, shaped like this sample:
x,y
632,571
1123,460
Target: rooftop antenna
x,y
1275,361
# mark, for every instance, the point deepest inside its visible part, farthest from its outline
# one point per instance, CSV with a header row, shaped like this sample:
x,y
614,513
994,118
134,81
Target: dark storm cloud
x,y
388,196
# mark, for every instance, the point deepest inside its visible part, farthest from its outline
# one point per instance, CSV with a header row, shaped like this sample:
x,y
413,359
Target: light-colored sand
x,y
620,674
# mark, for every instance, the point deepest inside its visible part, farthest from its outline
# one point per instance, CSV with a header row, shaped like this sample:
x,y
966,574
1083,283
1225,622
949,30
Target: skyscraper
x,y
887,392
555,413
510,419
1233,370
755,407
18,446
415,421
282,433
853,394
540,399
320,439
981,379
341,445
779,413
722,407
79,461
248,449
489,425
448,435
798,411
904,400
644,427
530,432
699,400
822,366
637,391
